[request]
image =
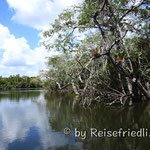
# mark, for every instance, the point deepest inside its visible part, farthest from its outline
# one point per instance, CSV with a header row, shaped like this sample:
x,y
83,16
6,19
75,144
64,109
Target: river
x,y
34,120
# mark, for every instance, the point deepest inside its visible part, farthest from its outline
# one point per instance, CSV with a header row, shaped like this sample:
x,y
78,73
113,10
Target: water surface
x,y
34,120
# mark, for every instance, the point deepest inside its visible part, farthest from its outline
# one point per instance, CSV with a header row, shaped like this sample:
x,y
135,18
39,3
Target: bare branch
x,y
131,9
97,23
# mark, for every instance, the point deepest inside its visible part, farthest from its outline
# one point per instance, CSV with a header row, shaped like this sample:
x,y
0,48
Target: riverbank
x,y
19,82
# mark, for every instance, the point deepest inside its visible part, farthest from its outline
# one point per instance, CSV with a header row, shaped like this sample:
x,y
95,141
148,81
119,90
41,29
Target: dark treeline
x,y
16,81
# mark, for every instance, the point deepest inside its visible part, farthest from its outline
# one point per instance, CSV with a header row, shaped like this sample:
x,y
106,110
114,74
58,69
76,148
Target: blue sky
x,y
18,30
21,24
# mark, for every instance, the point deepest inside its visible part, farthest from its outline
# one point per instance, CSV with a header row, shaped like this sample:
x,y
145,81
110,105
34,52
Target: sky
x,y
21,24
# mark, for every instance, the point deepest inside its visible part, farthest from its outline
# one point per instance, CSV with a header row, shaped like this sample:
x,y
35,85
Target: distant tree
x,y
16,81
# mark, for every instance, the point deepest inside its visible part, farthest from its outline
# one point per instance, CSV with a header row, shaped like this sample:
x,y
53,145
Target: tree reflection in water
x,y
100,117
34,120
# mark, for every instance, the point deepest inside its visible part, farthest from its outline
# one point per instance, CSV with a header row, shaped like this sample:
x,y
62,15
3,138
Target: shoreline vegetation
x,y
18,82
104,52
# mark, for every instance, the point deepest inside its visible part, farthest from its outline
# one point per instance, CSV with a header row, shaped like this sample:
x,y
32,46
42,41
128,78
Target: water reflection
x,y
24,124
17,95
33,120
101,117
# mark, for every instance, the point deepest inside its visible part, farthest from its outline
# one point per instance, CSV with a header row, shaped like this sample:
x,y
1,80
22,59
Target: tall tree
x,y
113,22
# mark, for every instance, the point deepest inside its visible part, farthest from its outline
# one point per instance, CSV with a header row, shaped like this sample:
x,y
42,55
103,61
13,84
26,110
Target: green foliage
x,y
59,71
114,20
16,81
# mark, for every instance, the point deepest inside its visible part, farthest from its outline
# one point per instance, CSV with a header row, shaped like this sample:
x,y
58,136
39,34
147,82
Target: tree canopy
x,y
104,51
16,81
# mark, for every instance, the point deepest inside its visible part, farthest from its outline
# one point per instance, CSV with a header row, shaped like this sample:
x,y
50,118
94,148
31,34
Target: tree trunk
x,y
74,88
145,92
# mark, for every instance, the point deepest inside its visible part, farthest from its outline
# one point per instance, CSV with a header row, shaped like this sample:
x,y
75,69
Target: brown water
x,y
32,120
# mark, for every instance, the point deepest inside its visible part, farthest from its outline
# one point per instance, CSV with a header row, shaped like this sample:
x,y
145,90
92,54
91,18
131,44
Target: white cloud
x,y
38,13
29,115
18,57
